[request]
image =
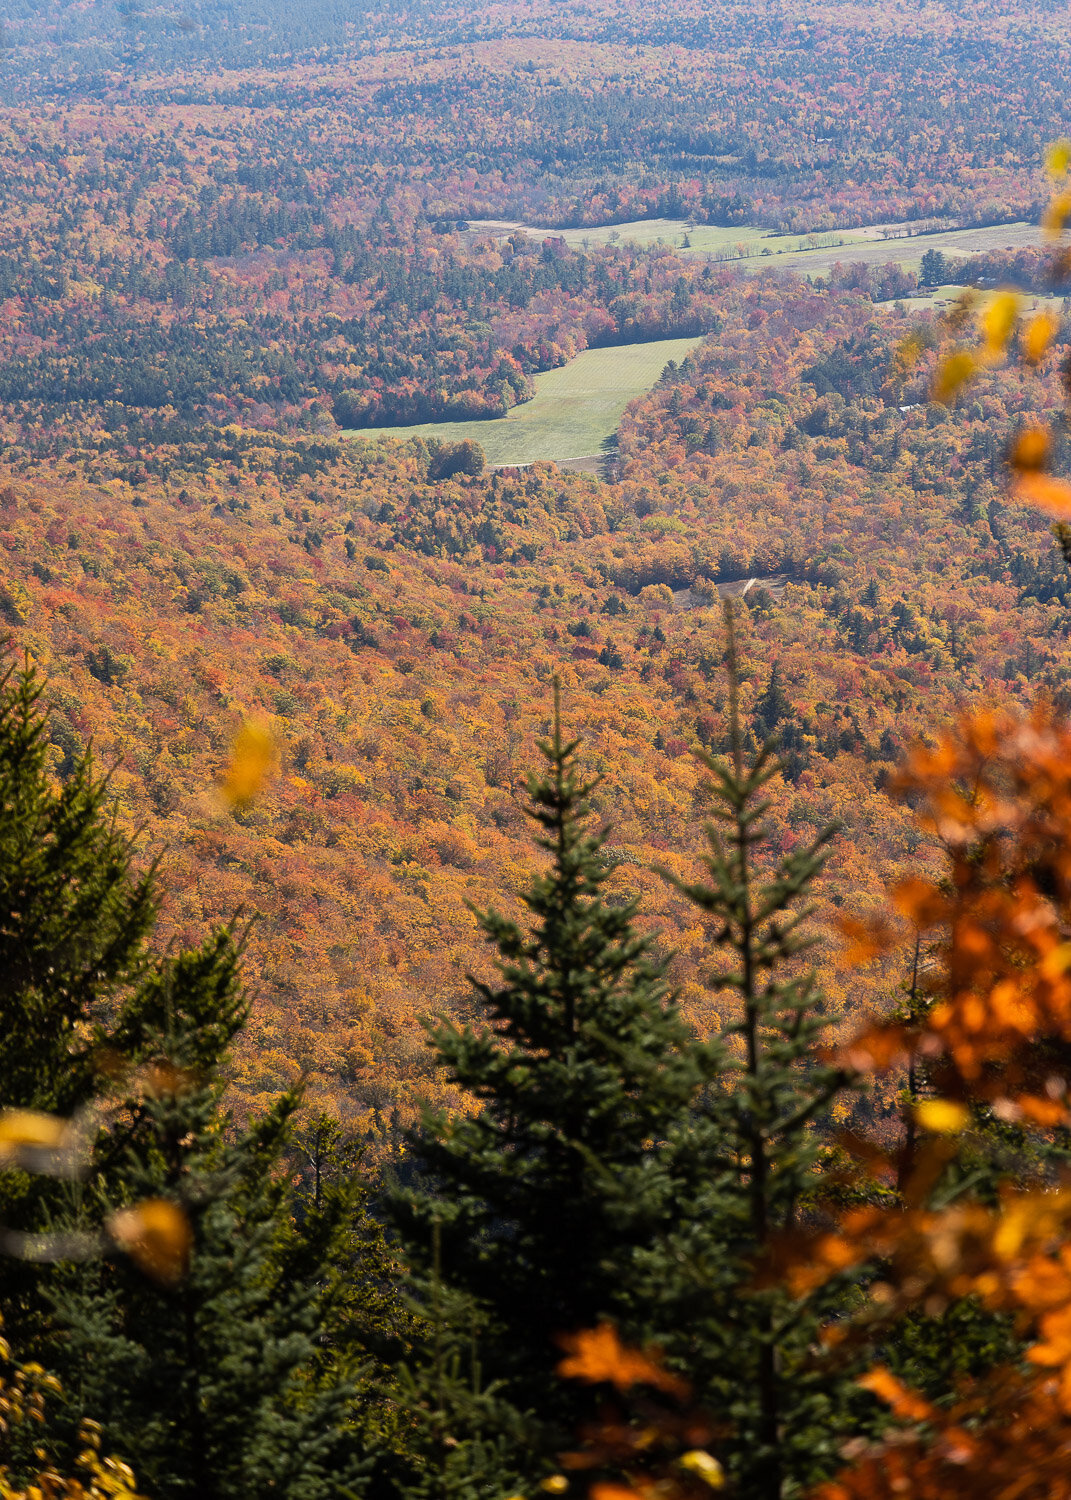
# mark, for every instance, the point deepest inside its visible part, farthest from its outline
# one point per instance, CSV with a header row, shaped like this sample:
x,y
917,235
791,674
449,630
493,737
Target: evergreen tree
x,y
74,917
237,1377
532,1210
28,1470
74,923
934,268
467,1439
338,1240
772,706
211,1375
749,1167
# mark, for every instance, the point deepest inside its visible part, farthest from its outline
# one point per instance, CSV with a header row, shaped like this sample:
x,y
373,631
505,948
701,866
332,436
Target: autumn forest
x,y
535,978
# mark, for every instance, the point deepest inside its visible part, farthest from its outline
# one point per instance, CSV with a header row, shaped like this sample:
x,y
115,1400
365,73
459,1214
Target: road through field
x,y
575,408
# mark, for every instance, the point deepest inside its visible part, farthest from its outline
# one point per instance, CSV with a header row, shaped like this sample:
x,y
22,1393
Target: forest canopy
x,y
552,978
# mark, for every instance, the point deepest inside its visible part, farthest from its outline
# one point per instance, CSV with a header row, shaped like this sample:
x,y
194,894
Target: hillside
x,y
404,633
225,245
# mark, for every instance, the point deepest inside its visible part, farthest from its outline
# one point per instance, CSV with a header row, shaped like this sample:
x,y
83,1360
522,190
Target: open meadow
x,y
757,248
706,239
574,410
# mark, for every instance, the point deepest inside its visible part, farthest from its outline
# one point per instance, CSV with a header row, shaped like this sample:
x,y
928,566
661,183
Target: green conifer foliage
x,y
543,1198
237,1377
74,922
339,1242
750,1165
215,1378
773,706
73,915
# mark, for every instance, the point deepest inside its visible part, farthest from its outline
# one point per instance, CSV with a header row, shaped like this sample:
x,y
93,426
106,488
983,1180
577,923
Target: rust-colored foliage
x,y
1011,1441
597,1354
995,791
641,1446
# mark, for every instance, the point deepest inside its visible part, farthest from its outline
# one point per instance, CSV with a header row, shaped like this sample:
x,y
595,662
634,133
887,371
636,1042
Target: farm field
x,y
706,239
575,408
909,252
943,296
817,252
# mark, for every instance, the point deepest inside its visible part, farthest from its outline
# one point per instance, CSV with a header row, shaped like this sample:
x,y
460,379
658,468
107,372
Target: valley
x,y
242,335
575,410
902,244
535,767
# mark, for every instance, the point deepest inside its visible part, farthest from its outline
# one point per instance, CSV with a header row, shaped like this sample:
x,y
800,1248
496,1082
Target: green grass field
x,y
759,249
572,412
705,239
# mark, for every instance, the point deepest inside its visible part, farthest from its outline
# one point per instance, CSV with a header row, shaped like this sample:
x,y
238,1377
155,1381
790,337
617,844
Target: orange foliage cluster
x,y
995,791
816,115
401,632
998,800
654,1444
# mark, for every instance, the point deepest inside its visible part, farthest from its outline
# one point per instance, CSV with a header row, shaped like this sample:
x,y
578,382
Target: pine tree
x,y
749,1167
535,1207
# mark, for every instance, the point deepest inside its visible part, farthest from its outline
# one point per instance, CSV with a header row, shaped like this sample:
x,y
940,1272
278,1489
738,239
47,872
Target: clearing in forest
x,y
760,249
574,410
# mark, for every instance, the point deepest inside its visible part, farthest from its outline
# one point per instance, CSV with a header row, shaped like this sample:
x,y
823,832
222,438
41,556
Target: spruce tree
x,y
749,1168
74,917
339,1241
74,925
772,707
212,1378
237,1377
532,1211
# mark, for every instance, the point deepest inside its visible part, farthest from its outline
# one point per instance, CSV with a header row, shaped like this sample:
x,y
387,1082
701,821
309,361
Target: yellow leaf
x,y
953,371
1053,495
554,1484
25,1127
1037,336
1058,159
156,1235
997,321
1055,216
254,758
942,1116
39,1143
708,1469
1031,449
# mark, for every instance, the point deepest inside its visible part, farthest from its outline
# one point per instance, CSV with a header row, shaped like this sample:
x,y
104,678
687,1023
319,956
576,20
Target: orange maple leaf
x,y
597,1354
